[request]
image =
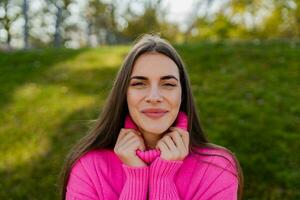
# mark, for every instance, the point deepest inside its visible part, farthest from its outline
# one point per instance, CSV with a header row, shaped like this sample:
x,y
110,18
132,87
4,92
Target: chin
x,y
154,129
157,131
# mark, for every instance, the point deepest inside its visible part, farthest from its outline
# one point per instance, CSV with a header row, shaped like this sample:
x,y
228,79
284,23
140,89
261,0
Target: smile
x,y
154,115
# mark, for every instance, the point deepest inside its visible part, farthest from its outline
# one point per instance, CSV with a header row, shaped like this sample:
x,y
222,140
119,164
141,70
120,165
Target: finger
x,y
127,136
169,142
184,134
135,137
177,138
163,147
186,140
122,134
129,143
180,130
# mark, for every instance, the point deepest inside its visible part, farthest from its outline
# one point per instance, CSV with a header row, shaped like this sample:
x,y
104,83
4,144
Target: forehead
x,y
154,65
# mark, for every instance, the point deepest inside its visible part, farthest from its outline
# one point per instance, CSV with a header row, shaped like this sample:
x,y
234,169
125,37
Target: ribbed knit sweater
x,y
101,175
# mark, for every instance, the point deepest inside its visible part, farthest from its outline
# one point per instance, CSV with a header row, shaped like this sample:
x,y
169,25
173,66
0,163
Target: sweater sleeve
x,y
161,179
136,184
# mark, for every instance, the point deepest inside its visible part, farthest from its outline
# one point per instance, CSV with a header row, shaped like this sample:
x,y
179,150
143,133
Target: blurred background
x,y
90,23
58,60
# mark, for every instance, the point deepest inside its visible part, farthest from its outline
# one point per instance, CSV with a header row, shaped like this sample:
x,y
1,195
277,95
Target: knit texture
x,y
149,155
101,175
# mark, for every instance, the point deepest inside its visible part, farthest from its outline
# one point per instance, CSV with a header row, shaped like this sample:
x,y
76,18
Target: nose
x,y
153,96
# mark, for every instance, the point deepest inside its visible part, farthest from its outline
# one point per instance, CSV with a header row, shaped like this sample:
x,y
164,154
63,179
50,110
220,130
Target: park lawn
x,y
247,94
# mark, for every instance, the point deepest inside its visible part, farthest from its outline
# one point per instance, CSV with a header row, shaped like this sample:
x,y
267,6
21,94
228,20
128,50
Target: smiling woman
x,y
152,90
154,85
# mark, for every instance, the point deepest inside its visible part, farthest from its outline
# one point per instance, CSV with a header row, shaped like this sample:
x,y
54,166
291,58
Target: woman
x,y
105,165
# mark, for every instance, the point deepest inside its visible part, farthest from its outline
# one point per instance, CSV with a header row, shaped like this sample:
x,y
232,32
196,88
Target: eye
x,y
138,83
169,84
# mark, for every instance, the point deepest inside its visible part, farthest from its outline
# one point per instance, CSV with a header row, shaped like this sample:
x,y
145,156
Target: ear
x,y
182,120
129,123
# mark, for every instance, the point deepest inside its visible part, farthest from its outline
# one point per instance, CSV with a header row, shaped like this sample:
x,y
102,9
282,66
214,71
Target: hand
x,y
174,145
129,140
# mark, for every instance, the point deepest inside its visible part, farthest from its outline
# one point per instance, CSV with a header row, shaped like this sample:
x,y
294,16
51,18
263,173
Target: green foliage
x,y
219,28
151,21
247,95
249,19
141,24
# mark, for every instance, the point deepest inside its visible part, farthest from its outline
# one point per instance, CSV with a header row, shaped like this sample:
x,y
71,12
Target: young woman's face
x,y
154,83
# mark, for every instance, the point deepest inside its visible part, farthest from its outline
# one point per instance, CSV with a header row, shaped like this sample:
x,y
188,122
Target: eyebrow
x,y
162,78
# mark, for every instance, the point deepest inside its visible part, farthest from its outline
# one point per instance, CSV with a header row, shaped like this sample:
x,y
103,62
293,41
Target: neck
x,y
150,139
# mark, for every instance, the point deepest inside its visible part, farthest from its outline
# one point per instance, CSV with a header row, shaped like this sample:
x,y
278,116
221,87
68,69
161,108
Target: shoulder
x,y
87,163
217,158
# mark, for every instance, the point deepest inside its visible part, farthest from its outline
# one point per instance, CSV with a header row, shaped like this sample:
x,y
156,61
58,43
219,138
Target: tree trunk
x,y
57,36
25,13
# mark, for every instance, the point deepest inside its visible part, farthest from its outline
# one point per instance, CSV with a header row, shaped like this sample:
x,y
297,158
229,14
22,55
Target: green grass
x,y
247,94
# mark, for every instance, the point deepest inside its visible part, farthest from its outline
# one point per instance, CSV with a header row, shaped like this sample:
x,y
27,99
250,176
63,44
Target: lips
x,y
154,112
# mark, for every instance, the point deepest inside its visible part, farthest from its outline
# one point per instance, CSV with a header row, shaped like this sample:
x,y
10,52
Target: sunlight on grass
x,y
96,58
34,113
22,151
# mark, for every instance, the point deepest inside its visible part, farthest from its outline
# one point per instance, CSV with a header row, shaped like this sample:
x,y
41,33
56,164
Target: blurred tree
x,y
247,19
147,22
94,16
61,15
193,20
41,25
219,28
297,18
26,30
271,25
7,19
101,22
93,22
283,20
152,20
270,19
247,14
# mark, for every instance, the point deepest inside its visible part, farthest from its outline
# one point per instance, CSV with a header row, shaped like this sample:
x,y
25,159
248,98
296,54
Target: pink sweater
x,y
100,174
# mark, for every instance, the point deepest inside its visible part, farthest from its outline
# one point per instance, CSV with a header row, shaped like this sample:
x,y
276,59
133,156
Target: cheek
x,y
175,98
176,101
133,97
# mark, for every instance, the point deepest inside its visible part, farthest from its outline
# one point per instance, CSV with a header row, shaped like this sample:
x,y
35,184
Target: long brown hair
x,y
105,131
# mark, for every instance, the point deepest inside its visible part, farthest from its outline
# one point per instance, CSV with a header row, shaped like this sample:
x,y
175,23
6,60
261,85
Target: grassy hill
x,y
247,94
